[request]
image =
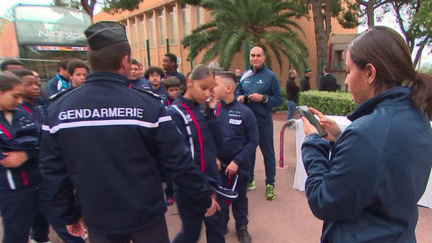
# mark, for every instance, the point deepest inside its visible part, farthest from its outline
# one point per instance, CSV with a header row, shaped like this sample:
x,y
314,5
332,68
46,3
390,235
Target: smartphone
x,y
304,111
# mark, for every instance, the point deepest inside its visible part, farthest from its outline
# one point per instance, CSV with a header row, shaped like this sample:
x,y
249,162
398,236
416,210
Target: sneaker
x,y
251,186
33,241
243,235
169,201
270,194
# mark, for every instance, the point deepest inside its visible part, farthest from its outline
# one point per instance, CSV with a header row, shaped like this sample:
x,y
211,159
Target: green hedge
x,y
329,103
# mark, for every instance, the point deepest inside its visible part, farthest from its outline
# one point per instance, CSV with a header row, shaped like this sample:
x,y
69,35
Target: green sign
x,y
40,25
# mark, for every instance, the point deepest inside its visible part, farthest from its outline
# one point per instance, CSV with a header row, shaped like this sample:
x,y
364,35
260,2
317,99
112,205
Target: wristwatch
x,y
264,99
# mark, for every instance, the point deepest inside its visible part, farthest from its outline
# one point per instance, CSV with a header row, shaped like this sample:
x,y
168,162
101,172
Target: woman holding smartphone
x,y
19,174
365,182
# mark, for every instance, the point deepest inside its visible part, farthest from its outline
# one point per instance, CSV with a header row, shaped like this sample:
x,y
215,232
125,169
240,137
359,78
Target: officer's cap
x,y
105,33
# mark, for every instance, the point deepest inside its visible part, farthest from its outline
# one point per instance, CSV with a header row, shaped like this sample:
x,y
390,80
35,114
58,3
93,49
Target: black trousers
x,y
157,233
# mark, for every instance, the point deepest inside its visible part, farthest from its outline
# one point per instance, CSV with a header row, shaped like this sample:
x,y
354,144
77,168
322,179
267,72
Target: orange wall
x,y
157,52
8,41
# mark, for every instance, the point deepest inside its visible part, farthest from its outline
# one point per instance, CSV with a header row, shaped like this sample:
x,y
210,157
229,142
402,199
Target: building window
x,y
162,29
143,34
199,16
338,61
172,26
152,34
185,21
134,35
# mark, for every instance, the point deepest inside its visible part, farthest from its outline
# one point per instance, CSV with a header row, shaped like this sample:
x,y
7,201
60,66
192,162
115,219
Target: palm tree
x,y
238,25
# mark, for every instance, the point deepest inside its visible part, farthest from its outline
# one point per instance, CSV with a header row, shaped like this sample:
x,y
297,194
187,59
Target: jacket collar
x,y
229,104
192,104
259,69
107,77
395,96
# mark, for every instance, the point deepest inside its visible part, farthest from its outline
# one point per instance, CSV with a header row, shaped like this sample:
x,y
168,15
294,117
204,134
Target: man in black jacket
x,y
100,145
305,82
328,82
292,91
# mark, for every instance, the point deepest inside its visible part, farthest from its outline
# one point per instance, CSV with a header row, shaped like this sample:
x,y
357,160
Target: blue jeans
x,y
291,105
192,218
267,147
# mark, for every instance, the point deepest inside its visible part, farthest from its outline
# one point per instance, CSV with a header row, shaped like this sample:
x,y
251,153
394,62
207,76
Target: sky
x,y
5,5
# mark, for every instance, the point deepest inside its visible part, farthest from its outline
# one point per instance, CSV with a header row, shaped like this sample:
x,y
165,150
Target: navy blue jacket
x,y
178,75
140,83
36,108
101,139
239,131
378,170
265,82
57,84
159,91
24,132
210,131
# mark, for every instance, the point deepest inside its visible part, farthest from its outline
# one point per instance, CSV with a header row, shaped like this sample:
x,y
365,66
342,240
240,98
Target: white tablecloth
x,y
300,173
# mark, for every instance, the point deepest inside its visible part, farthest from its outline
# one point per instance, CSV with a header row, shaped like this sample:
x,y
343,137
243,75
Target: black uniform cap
x,y
105,33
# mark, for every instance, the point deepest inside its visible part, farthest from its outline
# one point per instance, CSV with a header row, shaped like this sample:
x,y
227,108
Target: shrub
x,y
329,103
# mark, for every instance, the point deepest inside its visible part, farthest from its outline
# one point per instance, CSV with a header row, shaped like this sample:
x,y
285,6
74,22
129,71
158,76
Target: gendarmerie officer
x,y
101,139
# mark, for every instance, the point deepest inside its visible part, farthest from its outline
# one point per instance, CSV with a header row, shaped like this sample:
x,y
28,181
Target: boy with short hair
x,y
154,76
136,80
240,139
200,132
172,89
78,71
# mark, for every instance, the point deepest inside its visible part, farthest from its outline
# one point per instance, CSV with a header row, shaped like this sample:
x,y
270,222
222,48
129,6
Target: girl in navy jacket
x,y
366,181
19,174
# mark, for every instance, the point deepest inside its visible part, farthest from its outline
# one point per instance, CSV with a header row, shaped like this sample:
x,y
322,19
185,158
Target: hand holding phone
x,y
304,111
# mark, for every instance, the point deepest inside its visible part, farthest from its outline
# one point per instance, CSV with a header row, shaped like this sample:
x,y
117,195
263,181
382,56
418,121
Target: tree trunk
x,y
89,8
322,30
370,13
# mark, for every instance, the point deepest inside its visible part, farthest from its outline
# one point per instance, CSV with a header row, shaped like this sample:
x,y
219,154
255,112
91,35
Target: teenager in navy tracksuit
x,y
98,149
172,89
259,90
60,82
154,75
241,137
35,106
200,130
365,182
19,173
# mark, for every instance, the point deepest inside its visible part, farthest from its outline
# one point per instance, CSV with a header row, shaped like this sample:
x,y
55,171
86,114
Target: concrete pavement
x,y
286,219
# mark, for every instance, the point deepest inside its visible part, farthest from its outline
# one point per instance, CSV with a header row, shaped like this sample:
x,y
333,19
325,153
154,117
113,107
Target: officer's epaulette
x,y
61,93
149,92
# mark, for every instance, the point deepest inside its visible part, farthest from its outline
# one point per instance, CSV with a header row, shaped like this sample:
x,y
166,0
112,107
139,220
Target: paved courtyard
x,y
286,219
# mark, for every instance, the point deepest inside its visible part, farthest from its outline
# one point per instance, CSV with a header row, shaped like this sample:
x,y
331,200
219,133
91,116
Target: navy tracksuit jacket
x,y
57,84
202,145
378,169
263,81
239,131
240,139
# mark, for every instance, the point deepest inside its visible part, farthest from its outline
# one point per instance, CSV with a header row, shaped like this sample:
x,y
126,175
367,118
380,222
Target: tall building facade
x,y
158,26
